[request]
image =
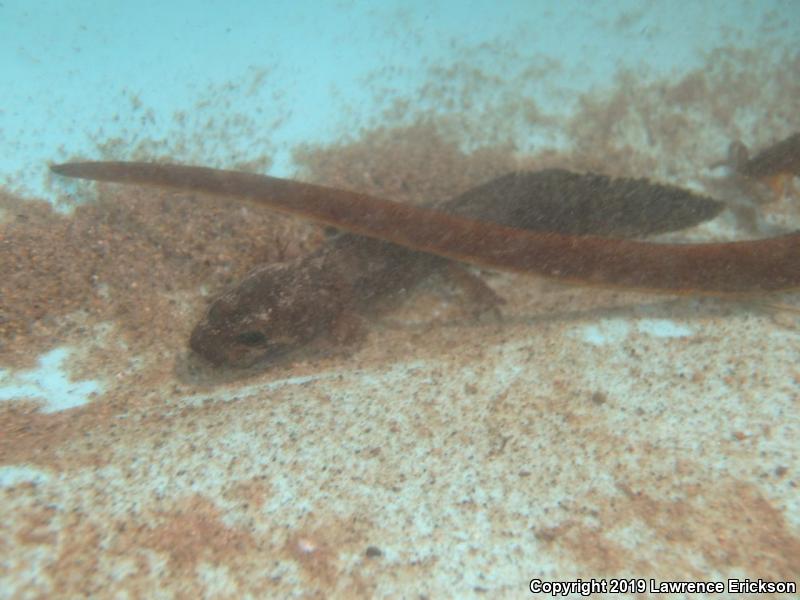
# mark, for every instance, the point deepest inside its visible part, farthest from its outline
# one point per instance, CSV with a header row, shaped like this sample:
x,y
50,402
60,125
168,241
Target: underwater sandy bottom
x,y
586,433
646,439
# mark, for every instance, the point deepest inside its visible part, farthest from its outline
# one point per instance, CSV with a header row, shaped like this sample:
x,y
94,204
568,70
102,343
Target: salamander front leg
x,y
482,298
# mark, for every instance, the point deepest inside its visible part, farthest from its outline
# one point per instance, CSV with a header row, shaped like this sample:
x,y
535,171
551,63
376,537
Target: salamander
x,y
775,165
545,223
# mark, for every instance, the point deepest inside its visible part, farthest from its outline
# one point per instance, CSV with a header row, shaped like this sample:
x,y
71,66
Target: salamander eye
x,y
251,338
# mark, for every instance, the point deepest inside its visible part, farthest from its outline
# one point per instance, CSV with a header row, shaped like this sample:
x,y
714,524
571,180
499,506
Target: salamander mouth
x,y
201,343
241,351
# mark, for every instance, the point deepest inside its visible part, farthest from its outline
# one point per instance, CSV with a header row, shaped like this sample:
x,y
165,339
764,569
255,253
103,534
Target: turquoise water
x,y
584,436
80,75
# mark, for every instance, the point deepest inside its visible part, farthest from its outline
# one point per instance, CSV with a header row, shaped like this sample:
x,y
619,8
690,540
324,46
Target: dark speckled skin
x,y
583,204
281,307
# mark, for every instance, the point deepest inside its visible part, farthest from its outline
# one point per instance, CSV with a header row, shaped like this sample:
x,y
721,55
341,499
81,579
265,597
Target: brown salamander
x,y
775,165
278,307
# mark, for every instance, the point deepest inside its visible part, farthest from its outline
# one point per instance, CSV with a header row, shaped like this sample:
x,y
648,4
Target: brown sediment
x,y
125,272
715,268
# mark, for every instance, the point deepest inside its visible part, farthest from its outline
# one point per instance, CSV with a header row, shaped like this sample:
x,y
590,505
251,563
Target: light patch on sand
x,y
48,383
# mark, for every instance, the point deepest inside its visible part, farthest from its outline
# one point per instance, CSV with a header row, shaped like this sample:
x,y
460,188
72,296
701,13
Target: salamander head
x,y
738,155
275,309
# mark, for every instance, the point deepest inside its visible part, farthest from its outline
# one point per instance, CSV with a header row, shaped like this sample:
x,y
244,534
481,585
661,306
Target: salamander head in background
x,y
775,166
738,155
